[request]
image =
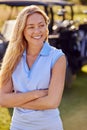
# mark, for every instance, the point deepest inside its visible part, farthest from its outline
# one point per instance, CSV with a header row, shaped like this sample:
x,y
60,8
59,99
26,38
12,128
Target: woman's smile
x,y
37,37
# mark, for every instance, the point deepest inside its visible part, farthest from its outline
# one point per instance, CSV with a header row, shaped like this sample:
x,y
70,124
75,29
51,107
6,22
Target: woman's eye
x,y
42,25
30,27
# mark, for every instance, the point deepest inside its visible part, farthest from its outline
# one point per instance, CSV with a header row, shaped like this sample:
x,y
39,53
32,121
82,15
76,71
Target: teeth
x,y
37,37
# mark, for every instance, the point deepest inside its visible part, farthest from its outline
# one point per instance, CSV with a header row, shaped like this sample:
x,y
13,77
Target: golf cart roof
x,y
36,2
22,3
61,3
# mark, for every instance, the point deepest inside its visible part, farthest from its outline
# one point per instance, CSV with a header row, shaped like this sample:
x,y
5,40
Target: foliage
x,y
83,2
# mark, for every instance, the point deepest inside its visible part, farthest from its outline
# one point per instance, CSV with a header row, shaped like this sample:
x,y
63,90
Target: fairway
x,y
74,105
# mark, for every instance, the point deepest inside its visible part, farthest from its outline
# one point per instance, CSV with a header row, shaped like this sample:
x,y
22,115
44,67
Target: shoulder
x,y
56,51
20,64
55,54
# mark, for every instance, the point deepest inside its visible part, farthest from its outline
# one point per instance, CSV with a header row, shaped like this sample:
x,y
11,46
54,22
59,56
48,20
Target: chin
x,y
39,42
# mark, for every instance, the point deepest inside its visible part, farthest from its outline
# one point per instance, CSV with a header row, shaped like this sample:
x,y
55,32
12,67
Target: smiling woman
x,y
32,74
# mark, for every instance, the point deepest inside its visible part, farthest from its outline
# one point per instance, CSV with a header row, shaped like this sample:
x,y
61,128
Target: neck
x,y
34,50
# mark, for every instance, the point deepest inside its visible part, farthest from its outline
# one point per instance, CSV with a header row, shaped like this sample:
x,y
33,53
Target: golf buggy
x,y
71,39
62,32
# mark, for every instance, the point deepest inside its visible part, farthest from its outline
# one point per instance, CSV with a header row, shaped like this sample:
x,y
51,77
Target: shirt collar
x,y
44,51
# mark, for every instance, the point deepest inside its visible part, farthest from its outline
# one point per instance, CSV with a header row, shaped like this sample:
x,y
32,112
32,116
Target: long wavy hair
x,y
17,43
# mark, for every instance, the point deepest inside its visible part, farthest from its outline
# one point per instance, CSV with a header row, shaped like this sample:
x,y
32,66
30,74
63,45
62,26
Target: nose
x,y
37,30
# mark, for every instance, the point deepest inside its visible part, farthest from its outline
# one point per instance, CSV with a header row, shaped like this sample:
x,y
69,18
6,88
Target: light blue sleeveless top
x,y
38,77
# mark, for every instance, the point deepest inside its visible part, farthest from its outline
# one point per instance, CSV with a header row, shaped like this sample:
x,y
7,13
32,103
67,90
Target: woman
x,y
32,74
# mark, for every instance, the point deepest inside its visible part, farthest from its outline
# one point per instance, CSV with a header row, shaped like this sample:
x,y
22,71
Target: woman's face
x,y
36,30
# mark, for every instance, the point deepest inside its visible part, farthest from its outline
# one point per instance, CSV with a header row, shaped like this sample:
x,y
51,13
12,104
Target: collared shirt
x,y
36,78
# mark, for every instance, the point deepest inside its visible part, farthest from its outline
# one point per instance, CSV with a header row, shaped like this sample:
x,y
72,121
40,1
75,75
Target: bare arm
x,y
52,100
8,98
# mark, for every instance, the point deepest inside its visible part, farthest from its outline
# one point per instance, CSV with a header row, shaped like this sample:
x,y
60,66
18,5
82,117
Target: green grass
x,y
73,107
4,119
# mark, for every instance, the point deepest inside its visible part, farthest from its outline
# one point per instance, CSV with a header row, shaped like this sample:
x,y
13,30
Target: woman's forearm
x,y
42,103
16,99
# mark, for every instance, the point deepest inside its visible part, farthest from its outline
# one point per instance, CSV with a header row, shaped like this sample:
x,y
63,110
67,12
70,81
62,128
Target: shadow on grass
x,y
10,110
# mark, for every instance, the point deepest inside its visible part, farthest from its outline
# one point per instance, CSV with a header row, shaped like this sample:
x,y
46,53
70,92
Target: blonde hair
x,y
17,43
